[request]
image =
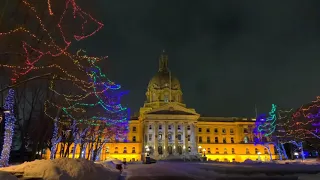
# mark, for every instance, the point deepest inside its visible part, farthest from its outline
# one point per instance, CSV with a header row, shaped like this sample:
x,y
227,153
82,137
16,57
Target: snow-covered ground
x,y
64,169
238,171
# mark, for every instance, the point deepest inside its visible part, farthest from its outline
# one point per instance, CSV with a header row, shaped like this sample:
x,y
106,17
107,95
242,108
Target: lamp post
x,y
204,152
259,158
199,149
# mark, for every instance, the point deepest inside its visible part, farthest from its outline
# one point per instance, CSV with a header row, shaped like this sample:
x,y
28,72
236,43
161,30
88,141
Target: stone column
x,y
195,138
145,136
186,137
176,137
156,134
165,148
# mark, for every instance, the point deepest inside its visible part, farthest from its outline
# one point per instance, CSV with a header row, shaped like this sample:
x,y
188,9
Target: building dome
x,y
162,80
164,87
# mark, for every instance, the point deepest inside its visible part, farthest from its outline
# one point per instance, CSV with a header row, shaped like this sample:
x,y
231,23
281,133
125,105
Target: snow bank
x,y
7,176
64,169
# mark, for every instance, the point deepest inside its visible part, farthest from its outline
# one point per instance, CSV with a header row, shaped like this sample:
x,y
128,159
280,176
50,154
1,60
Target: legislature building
x,y
166,128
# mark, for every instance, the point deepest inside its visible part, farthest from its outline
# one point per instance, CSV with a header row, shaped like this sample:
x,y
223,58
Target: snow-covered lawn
x,y
64,169
237,171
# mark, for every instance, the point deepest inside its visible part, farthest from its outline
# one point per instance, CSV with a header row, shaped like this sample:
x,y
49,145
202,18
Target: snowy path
x,y
217,171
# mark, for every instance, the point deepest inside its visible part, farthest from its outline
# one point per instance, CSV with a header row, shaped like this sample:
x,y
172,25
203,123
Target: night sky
x,y
228,55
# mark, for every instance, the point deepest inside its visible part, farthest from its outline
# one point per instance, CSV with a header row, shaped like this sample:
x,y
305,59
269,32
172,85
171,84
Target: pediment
x,y
171,109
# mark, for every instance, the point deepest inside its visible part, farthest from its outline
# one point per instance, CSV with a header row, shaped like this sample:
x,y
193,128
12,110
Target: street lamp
x,y
259,158
204,152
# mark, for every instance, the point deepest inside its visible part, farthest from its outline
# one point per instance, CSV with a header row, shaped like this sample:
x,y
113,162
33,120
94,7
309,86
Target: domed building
x,y
166,128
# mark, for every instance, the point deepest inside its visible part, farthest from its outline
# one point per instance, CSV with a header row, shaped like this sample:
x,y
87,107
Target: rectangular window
x,y
245,130
208,130
188,137
188,127
134,129
231,131
217,150
208,139
215,130
224,140
200,129
216,140
232,140
169,127
247,151
200,139
150,137
179,127
223,131
160,126
133,139
232,151
150,126
179,137
209,151
225,151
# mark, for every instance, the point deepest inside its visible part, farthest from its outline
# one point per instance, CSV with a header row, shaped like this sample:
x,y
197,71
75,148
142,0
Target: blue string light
x,y
9,129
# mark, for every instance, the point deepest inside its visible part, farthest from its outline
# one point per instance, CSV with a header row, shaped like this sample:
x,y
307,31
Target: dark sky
x,y
228,55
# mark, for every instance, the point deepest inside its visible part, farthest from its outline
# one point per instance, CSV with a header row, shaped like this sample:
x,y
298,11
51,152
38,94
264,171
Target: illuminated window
x,y
245,139
160,137
225,151
166,98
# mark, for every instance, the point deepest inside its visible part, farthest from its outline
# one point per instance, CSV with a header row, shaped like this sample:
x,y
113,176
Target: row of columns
x,y
193,136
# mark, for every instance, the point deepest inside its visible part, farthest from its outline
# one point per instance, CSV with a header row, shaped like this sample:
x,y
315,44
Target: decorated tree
x,y
264,127
305,125
34,52
107,120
